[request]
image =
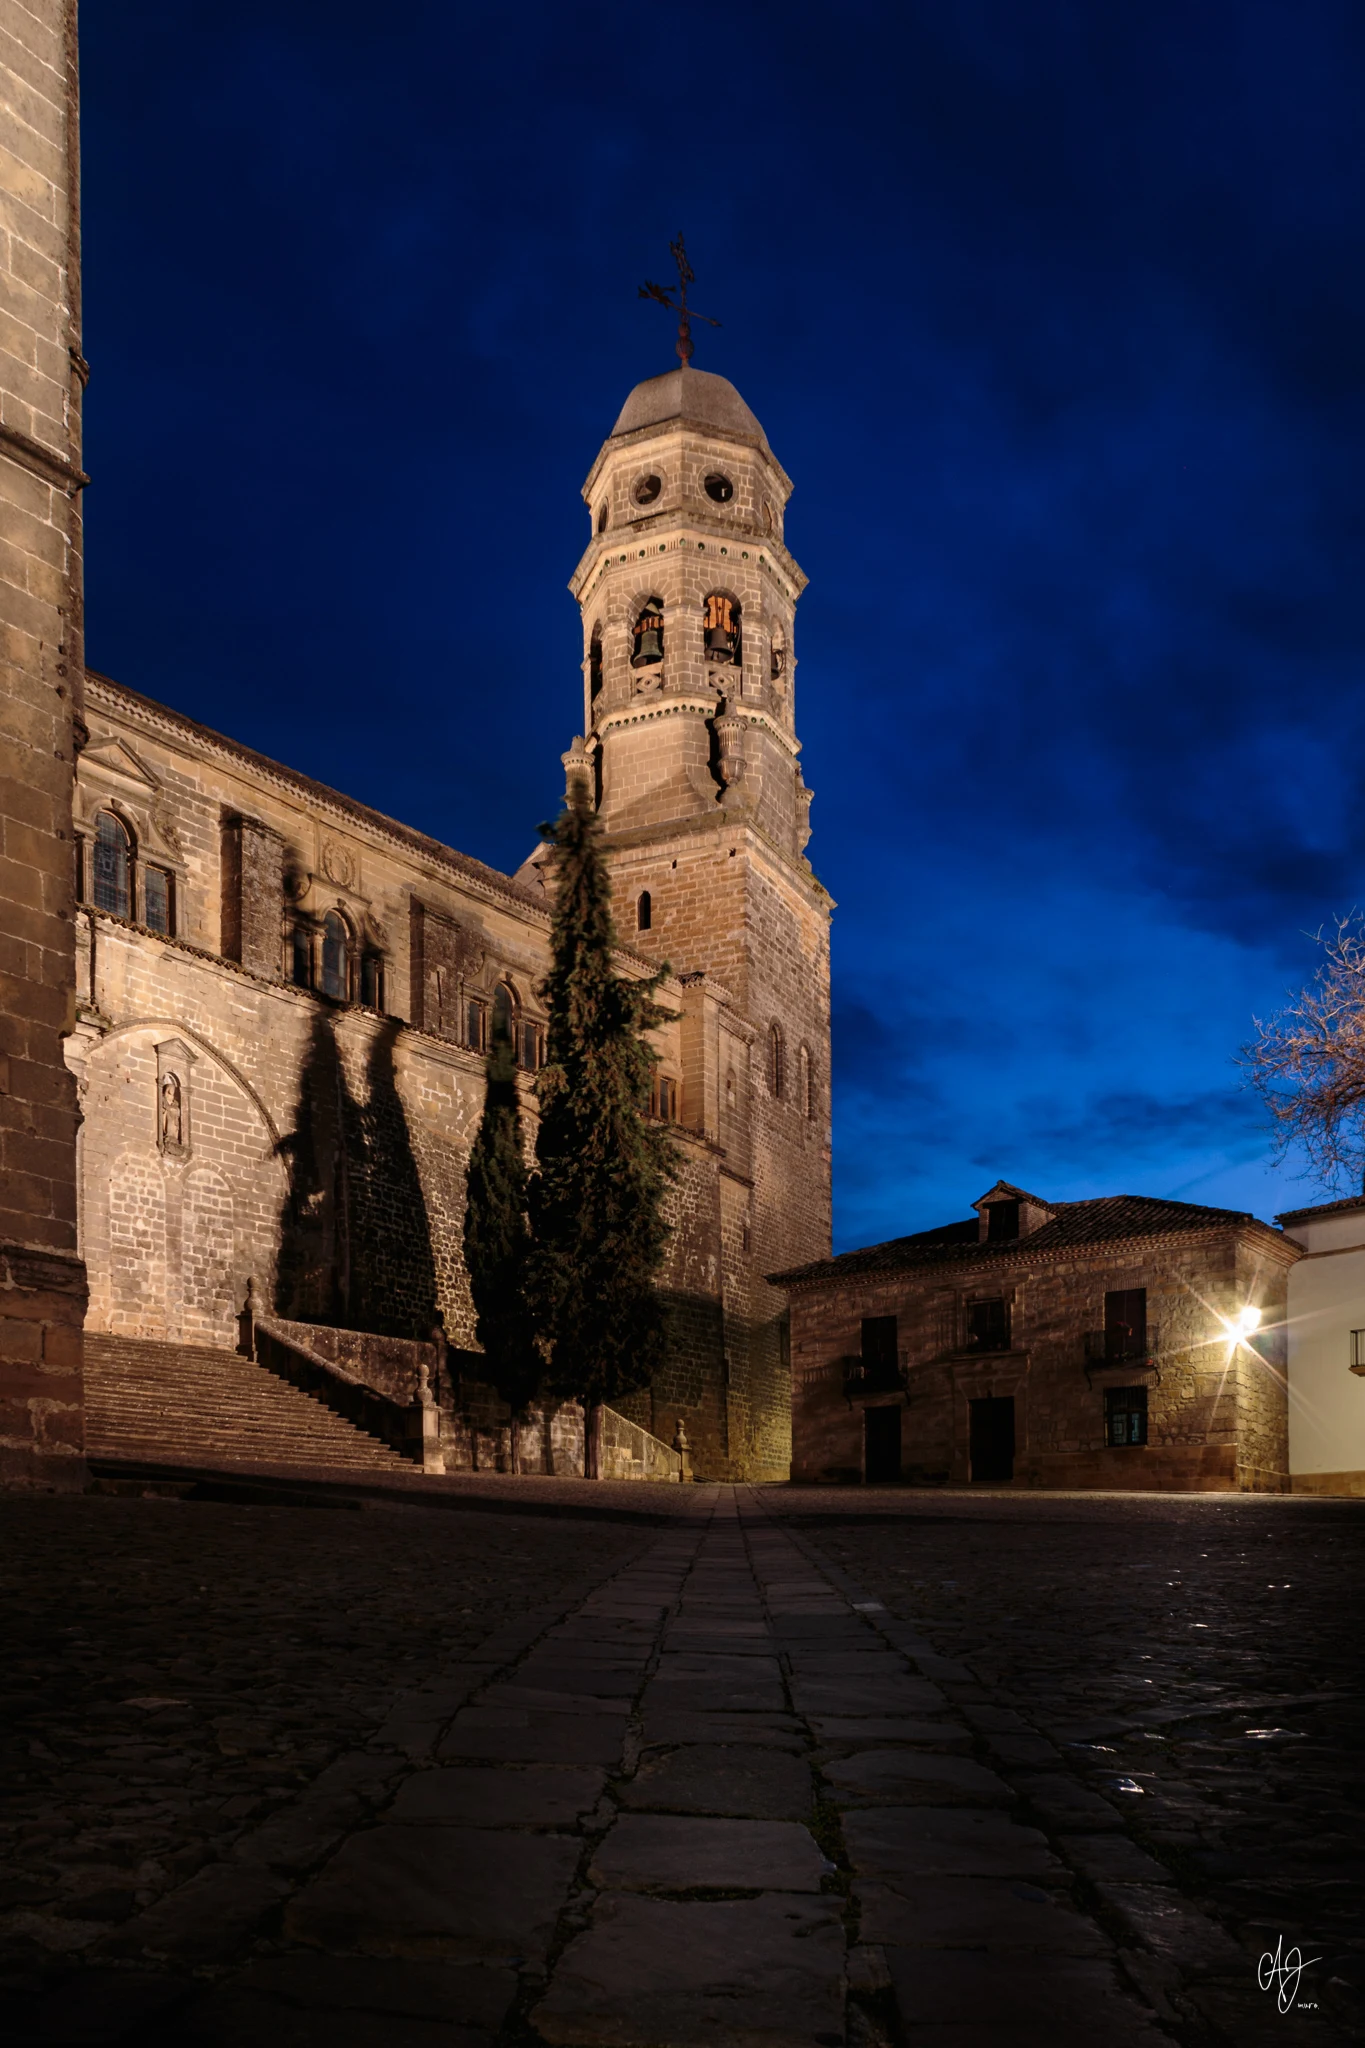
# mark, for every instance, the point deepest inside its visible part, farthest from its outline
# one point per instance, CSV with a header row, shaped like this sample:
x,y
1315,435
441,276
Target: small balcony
x,y
1117,1348
871,1376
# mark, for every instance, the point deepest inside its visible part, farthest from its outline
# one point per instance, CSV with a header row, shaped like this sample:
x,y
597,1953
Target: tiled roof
x,y
1323,1209
1106,1220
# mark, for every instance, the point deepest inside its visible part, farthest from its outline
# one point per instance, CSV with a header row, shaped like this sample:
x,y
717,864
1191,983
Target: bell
x,y
720,644
648,647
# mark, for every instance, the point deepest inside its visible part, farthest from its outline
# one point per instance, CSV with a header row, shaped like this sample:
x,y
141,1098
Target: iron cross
x,y
663,295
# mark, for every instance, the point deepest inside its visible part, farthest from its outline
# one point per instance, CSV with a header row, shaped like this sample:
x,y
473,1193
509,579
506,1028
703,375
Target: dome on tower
x,y
696,396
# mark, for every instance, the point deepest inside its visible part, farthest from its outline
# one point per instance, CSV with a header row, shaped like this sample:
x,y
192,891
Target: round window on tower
x,y
647,490
719,487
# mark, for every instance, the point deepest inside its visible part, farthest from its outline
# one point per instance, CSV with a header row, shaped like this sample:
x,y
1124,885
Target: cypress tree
x,y
596,1199
497,1239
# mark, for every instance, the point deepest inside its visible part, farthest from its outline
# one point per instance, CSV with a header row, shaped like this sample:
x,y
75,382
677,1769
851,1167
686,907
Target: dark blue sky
x,y
1056,315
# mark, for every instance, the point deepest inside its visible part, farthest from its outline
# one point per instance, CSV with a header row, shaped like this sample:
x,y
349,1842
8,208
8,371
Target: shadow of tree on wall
x,y
355,1241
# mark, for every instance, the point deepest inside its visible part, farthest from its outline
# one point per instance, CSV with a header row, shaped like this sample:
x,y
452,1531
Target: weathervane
x,y
663,294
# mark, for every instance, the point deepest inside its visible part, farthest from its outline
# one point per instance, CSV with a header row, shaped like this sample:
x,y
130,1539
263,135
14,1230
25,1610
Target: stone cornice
x,y
117,701
44,463
726,826
678,429
1106,1251
768,557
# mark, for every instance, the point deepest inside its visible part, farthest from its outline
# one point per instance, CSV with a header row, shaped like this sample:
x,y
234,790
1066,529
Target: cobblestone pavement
x,y
176,1673
796,1770
1175,1687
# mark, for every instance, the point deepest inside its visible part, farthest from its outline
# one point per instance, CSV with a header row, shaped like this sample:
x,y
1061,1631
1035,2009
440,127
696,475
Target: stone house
x,y
283,998
1327,1347
1125,1342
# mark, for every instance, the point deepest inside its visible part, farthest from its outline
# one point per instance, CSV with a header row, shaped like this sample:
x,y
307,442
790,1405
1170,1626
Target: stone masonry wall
x,y
315,1147
1215,1409
41,371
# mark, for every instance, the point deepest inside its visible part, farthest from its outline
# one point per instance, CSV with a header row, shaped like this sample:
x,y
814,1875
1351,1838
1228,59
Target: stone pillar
x,y
42,376
253,895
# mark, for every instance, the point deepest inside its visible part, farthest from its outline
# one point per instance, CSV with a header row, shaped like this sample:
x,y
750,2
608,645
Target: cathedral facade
x,y
283,998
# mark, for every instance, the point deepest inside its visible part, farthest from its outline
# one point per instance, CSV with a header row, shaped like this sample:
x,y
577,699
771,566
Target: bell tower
x,y
688,597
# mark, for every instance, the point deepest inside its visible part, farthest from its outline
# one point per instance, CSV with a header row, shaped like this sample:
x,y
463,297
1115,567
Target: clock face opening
x,y
719,487
647,490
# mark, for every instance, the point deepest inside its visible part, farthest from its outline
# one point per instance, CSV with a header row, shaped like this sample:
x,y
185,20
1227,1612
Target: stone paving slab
x,y
730,1778
677,1853
483,1797
757,1973
665,1725
1112,1857
1172,1926
548,1699
895,1842
975,1912
890,1695
720,1669
466,1894
1010,1999
1065,1803
516,1736
881,1777
873,1731
704,1695
306,2001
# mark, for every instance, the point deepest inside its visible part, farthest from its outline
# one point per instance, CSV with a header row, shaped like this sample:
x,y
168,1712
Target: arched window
x,y
648,634
805,1082
504,1012
602,512
777,653
777,1061
595,665
644,911
113,866
720,621
335,956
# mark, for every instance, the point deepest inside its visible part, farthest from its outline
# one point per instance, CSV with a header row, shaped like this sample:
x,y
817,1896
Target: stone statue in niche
x,y
172,1114
173,1062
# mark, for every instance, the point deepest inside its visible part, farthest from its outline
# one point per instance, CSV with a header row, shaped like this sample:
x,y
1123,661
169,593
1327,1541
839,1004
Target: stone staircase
x,y
150,1403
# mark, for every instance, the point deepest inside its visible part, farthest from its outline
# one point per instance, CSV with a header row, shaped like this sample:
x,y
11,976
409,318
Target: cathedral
x,y
284,999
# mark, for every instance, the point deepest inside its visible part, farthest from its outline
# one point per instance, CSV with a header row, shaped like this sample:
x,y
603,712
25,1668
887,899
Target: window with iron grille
x,y
476,1026
879,1345
988,1326
1357,1349
1125,1323
1125,1416
663,1098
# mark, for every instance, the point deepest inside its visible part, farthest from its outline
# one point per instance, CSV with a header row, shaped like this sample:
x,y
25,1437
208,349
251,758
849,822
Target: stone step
x,y
180,1403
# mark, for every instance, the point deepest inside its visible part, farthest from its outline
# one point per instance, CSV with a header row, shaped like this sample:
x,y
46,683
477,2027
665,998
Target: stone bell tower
x,y
688,597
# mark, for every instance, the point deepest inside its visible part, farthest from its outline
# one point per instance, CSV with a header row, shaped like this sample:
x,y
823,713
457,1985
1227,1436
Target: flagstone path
x,y
727,1799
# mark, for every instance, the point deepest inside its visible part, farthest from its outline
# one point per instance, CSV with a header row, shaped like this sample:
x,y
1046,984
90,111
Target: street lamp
x,y
1248,1319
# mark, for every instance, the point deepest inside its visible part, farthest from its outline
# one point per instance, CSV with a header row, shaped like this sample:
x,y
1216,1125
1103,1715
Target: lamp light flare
x,y
1249,1319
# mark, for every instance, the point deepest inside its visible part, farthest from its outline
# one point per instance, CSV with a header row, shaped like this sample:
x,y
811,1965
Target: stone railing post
x,y
683,1449
433,1457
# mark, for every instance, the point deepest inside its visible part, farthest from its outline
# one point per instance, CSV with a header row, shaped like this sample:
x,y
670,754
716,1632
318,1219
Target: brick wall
x,y
41,1431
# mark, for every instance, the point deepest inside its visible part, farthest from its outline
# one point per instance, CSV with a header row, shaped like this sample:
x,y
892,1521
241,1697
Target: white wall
x,y
1327,1302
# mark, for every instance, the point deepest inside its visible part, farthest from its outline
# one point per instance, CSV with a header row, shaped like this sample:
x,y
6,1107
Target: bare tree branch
x,y
1307,1063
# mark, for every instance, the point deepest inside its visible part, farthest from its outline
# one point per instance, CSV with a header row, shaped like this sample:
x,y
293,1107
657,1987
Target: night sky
x,y
1056,315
